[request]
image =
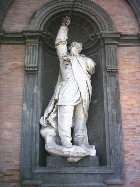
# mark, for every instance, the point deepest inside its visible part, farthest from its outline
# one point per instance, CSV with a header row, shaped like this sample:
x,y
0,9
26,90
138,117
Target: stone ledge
x,y
58,161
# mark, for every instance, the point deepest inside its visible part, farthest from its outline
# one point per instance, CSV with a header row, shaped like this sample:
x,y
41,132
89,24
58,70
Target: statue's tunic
x,y
69,93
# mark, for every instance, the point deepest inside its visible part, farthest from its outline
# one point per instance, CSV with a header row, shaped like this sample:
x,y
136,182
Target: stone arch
x,y
5,5
94,11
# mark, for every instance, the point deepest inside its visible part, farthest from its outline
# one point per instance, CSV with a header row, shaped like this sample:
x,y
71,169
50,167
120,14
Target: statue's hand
x,y
66,21
43,121
67,58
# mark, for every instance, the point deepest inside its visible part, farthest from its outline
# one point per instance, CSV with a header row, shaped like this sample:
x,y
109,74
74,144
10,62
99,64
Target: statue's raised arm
x,y
61,38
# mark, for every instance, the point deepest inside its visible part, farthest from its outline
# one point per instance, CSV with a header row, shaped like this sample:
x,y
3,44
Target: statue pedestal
x,y
58,161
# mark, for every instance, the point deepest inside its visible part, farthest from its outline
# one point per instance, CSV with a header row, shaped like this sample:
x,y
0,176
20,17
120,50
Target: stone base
x,y
58,161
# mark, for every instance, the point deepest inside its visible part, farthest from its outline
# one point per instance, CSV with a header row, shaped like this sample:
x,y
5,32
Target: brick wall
x,y
12,83
121,14
129,79
11,99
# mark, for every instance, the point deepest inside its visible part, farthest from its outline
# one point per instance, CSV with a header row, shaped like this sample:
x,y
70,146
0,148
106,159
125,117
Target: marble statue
x,y
68,107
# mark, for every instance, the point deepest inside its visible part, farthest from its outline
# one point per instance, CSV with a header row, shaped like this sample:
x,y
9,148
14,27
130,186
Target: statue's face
x,y
75,48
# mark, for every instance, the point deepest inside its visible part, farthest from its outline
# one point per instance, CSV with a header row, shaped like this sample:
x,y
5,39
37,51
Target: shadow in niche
x,y
96,123
49,75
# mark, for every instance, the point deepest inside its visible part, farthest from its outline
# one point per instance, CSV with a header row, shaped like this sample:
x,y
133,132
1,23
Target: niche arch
x,y
42,67
43,14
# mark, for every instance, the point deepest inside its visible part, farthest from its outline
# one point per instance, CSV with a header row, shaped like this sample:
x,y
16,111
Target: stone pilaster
x,y
113,126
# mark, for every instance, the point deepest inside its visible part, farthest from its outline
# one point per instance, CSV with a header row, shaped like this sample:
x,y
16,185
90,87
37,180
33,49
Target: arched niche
x,y
92,26
102,19
82,29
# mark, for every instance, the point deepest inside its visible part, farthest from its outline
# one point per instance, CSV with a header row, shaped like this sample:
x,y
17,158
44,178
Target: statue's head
x,y
75,47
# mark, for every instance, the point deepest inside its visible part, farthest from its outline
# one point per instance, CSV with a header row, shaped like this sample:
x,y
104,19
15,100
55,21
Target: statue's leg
x,y
80,129
65,115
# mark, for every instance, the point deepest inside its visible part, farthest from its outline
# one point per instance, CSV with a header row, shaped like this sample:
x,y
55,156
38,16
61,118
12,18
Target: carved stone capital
x,y
32,42
32,34
111,59
109,38
31,61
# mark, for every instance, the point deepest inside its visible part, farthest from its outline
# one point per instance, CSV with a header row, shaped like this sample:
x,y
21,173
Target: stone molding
x,y
5,5
52,7
20,37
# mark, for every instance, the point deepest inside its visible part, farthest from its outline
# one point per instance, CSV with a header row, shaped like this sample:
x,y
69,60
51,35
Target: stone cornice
x,y
19,37
107,37
32,33
120,39
11,38
129,40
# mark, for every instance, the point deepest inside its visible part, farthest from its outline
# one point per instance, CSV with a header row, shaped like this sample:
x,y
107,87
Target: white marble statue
x,y
68,107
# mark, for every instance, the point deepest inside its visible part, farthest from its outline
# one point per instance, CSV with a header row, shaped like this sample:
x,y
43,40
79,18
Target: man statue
x,y
69,105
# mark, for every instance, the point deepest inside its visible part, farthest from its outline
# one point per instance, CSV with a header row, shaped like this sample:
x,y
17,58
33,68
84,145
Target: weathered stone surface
x,y
88,161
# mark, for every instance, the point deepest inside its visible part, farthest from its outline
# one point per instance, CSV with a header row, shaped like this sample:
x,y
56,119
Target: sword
x,y
72,8
66,20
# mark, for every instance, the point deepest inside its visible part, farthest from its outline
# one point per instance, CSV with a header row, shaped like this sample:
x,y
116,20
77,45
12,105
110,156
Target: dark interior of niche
x,y
81,29
49,75
96,121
